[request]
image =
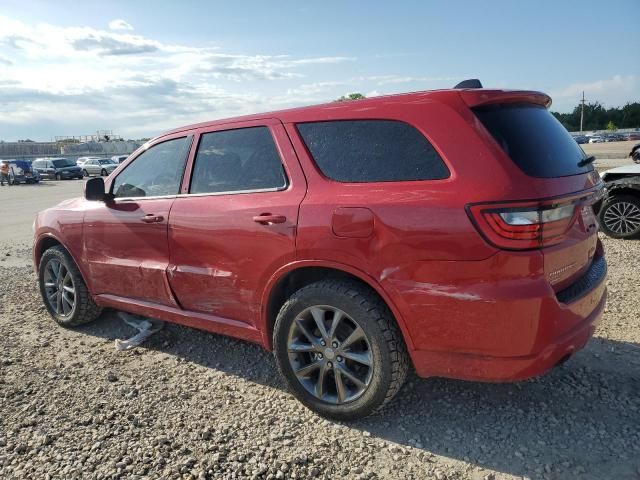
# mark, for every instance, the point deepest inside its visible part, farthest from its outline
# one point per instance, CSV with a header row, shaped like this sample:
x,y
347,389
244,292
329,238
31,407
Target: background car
x,y
632,136
581,139
101,166
82,160
21,171
635,153
596,139
614,137
119,158
57,168
619,213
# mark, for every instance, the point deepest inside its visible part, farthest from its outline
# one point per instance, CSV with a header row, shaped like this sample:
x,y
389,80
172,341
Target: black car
x,y
614,137
619,212
58,168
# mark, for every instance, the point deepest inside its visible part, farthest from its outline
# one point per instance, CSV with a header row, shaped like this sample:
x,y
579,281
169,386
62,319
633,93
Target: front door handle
x,y
151,218
268,219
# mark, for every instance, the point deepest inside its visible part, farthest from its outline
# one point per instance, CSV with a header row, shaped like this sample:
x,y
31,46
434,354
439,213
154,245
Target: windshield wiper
x,y
586,161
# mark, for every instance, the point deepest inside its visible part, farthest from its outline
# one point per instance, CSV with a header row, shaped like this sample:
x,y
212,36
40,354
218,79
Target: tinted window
x,y
158,171
372,151
63,162
237,160
534,140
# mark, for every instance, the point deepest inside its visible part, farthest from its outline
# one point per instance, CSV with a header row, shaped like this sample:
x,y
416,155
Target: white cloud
x,y
611,92
78,79
119,24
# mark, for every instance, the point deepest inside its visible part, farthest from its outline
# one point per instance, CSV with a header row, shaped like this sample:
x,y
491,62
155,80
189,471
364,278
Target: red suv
x,y
452,230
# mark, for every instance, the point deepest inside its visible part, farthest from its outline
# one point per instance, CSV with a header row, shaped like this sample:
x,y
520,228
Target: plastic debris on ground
x,y
145,326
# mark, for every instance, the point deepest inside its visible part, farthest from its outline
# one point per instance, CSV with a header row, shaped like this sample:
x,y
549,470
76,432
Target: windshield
x,y
63,162
534,140
105,162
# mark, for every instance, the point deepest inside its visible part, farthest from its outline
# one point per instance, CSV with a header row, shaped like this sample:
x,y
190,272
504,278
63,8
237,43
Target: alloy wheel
x,y
622,218
330,354
59,288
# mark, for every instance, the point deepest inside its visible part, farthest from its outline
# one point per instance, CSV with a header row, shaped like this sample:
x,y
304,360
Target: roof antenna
x,y
471,83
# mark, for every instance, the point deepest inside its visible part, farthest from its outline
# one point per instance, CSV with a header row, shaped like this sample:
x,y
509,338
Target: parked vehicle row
x,y
608,137
351,240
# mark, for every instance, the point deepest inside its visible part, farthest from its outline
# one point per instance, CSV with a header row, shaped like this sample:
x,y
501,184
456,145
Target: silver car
x,y
98,166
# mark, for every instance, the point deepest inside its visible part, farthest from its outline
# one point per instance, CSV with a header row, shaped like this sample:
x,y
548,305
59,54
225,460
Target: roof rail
x,y
470,83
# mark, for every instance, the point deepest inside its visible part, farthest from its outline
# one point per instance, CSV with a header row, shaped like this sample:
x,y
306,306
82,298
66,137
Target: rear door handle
x,y
268,219
151,218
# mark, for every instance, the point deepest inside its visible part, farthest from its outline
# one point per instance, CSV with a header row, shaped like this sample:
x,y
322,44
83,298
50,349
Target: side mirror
x,y
94,189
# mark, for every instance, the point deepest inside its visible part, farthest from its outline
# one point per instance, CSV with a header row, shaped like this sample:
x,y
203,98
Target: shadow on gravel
x,y
565,424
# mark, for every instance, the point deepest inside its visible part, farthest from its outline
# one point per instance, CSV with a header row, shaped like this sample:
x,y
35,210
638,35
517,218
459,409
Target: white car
x,y
119,158
620,211
82,160
596,139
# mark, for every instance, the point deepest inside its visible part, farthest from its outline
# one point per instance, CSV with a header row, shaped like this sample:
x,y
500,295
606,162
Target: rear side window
x,y
244,159
534,140
372,151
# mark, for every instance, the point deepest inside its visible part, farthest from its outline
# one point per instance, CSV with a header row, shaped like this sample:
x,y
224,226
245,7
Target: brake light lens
x,y
523,226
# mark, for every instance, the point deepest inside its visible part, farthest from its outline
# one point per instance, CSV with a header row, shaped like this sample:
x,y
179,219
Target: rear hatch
x,y
561,222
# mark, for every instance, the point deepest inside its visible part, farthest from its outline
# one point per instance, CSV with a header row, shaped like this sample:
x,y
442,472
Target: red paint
x,y
352,222
467,306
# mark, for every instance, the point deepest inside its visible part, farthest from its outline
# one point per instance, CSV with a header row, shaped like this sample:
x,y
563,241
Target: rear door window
x,y
372,151
240,160
534,140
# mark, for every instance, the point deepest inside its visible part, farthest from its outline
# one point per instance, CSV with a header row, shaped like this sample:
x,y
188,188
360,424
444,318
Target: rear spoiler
x,y
482,97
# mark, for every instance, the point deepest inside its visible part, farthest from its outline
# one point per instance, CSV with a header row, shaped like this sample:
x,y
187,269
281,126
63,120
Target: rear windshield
x,y
372,151
534,140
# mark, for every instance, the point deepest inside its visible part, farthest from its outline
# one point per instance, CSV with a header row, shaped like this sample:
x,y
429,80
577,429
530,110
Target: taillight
x,y
522,226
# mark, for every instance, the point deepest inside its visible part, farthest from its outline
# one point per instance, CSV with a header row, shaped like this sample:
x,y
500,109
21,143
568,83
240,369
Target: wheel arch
x,y
294,276
48,240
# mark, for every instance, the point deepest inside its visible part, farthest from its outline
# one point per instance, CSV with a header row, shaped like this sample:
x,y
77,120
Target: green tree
x,y
351,96
611,126
596,117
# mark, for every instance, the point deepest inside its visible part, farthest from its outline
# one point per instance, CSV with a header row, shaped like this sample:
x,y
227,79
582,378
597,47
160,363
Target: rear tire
x,y
58,176
620,216
85,173
64,293
330,375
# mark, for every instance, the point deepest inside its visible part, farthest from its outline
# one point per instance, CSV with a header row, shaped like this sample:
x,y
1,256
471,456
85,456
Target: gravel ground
x,y
190,404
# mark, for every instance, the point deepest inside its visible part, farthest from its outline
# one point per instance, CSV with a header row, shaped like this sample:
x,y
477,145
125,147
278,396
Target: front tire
x,y
339,349
620,216
58,176
103,173
63,290
85,173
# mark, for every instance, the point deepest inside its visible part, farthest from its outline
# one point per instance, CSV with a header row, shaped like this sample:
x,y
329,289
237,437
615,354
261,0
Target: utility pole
x,y
582,111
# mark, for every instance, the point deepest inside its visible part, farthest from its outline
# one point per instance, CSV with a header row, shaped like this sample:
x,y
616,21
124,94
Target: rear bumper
x,y
509,369
497,319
